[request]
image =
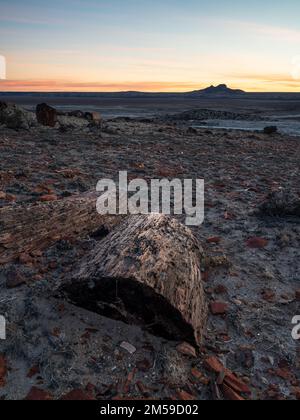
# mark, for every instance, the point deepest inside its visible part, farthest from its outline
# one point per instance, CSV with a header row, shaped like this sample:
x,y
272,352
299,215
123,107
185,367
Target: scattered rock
x,y
219,308
280,204
144,365
15,117
270,130
214,240
214,365
76,114
78,395
187,350
48,197
15,278
37,394
128,347
46,115
25,259
268,295
221,290
3,370
33,371
230,394
94,117
185,396
236,384
257,243
192,131
72,123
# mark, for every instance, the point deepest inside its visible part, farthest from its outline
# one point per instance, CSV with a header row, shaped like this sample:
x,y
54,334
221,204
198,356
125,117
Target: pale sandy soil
x,y
74,349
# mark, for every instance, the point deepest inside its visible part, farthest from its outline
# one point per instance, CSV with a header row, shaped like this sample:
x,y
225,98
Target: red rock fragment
x,y
284,373
10,197
185,396
230,394
268,295
214,365
25,259
199,376
236,384
296,392
187,350
3,370
219,308
221,290
214,240
33,371
37,394
143,389
78,395
129,380
48,197
257,243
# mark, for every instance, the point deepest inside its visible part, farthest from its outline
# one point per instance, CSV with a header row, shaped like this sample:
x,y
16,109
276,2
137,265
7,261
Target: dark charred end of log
x,y
133,303
100,233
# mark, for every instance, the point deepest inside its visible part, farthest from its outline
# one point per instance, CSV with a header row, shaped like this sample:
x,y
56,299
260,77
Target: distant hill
x,y
212,91
220,90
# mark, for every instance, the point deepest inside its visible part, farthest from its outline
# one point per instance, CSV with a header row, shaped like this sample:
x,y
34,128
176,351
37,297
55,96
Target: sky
x,y
150,45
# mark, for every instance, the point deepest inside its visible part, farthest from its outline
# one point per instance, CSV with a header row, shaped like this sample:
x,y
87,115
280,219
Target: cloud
x,y
273,32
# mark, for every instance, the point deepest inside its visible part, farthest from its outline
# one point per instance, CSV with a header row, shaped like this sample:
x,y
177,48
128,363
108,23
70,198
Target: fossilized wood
x,y
152,263
26,228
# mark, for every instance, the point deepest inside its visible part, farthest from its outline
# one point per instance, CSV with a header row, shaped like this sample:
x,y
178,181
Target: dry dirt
x,y
56,347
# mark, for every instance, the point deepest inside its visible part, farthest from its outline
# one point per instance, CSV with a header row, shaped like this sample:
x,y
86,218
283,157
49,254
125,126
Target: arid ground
x,y
250,267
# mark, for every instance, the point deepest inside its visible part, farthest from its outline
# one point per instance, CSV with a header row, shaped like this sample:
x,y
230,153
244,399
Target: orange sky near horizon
x,y
137,45
262,85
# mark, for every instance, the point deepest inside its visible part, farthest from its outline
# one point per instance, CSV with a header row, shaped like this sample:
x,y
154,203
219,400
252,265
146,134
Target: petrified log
x,y
46,115
145,272
27,228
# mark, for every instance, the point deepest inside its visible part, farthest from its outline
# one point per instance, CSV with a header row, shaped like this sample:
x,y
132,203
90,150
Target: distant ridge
x,y
220,90
211,91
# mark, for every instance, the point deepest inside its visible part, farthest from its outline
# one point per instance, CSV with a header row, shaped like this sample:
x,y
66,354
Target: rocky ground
x,y
251,268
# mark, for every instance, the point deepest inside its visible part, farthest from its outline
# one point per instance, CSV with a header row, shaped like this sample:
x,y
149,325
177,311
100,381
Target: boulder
x,y
282,203
72,123
93,117
270,130
46,115
15,117
77,114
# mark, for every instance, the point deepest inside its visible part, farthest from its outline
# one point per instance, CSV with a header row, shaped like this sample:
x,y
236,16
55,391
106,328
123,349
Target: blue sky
x,y
150,45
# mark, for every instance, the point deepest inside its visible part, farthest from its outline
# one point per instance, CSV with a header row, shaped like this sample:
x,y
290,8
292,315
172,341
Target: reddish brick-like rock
x,y
78,395
37,394
214,240
48,197
214,365
257,243
219,308
230,394
3,371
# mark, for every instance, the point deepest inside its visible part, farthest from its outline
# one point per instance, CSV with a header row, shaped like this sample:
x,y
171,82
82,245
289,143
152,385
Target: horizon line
x,y
139,92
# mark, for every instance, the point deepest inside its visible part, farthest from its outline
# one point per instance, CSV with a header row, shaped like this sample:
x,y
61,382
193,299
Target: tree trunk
x,y
146,272
27,228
